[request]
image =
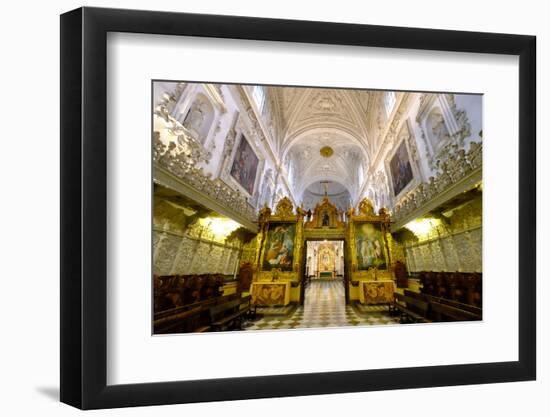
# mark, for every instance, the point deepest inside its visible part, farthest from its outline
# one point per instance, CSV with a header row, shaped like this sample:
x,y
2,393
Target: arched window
x,y
389,102
258,94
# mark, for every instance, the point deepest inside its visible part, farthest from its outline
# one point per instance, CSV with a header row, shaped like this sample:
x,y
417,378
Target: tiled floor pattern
x,y
324,306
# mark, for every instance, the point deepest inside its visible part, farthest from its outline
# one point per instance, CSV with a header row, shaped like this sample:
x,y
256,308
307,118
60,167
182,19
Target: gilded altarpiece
x,y
326,222
326,261
369,253
325,216
279,259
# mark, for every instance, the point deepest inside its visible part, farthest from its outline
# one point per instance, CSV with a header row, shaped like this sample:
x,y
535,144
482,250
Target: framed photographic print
x,y
334,185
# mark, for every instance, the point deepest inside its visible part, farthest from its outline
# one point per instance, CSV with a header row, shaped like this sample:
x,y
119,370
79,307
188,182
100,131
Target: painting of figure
x,y
370,247
279,247
245,165
401,170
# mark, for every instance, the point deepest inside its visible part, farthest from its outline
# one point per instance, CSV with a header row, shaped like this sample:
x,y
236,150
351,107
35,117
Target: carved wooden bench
x,y
410,310
229,315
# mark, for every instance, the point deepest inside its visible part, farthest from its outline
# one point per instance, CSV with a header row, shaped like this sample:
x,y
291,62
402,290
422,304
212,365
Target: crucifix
x,y
325,183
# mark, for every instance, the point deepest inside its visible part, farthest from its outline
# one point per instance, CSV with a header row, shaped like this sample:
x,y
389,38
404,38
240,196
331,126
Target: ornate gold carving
x,y
378,292
385,213
264,215
324,233
284,208
273,293
299,243
284,213
366,208
337,228
366,213
326,151
327,215
275,274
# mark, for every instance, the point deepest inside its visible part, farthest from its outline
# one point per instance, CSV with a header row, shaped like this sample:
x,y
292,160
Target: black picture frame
x,y
84,207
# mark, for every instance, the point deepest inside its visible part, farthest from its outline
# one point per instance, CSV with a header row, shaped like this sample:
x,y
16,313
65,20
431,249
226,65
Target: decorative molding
x,y
169,101
258,132
215,93
463,129
183,165
193,237
454,126
460,171
229,143
185,145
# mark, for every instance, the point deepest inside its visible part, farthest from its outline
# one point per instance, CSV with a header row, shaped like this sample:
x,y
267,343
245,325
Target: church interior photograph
x,y
282,207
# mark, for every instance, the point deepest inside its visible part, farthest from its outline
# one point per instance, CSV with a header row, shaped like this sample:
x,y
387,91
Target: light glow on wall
x,y
219,226
423,228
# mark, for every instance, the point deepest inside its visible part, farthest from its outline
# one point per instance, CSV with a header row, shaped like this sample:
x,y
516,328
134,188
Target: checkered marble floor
x,y
324,306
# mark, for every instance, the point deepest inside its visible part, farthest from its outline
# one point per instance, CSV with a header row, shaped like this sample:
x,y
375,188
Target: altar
x,y
326,260
266,293
376,292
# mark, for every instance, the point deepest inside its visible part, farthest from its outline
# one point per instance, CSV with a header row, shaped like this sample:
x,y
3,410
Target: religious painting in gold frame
x,y
279,246
244,166
370,246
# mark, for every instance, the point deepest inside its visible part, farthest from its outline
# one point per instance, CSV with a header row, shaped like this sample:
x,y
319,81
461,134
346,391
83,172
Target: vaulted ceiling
x,y
336,192
304,109
309,164
310,119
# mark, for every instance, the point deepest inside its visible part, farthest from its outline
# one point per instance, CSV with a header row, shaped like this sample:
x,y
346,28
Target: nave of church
x,y
283,208
324,306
